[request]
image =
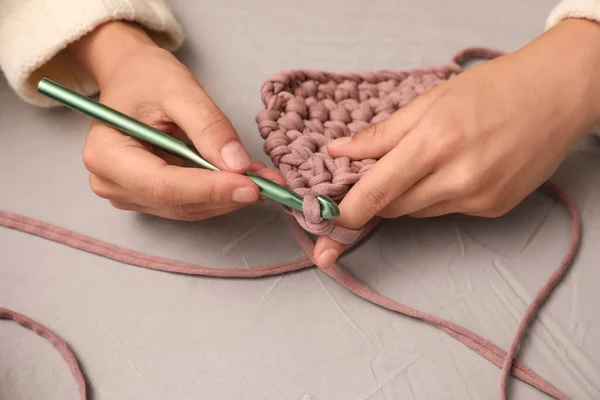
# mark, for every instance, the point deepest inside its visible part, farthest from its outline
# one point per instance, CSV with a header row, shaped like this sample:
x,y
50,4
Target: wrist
x,y
101,51
570,53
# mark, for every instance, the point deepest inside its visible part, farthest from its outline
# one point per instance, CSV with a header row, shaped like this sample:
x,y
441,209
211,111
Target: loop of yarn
x,y
304,110
310,220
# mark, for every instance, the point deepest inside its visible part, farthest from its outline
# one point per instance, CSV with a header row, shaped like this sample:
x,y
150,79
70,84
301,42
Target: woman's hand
x,y
148,83
481,142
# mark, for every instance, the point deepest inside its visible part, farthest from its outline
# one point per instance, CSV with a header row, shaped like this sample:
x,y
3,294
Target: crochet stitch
x,y
303,111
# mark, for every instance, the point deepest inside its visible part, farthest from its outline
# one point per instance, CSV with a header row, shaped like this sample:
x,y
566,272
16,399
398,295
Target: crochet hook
x,y
154,137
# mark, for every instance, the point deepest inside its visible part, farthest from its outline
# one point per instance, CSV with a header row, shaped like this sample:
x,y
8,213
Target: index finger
x,y
392,175
135,168
209,129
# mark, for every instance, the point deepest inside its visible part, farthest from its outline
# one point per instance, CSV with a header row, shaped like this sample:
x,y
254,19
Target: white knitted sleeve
x,y
35,33
588,9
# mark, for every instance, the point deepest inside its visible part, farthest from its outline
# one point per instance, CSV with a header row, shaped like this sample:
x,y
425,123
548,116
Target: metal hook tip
x,y
329,209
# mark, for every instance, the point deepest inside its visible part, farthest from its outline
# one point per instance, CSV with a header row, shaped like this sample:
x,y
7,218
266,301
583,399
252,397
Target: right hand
x,y
147,83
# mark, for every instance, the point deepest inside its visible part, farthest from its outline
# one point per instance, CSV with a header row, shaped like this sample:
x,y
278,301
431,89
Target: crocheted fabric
x,y
304,110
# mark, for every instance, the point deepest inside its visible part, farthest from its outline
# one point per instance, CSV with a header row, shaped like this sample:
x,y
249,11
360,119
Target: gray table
x,y
147,335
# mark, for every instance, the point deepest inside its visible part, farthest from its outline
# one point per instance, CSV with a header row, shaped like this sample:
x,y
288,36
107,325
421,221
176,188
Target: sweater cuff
x,y
35,35
588,9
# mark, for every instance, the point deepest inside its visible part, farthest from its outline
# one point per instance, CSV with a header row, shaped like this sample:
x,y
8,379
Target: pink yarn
x,y
295,143
304,110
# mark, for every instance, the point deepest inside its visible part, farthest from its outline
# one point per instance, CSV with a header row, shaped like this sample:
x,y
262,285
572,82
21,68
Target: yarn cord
x,y
293,141
483,347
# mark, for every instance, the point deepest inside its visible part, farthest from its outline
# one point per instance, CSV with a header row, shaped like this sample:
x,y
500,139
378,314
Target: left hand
x,y
481,142
144,81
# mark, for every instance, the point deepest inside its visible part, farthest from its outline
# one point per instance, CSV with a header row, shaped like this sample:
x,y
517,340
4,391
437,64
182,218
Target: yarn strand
x,y
304,110
483,347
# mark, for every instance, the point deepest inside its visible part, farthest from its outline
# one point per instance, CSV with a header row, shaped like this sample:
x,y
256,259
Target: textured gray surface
x,y
141,334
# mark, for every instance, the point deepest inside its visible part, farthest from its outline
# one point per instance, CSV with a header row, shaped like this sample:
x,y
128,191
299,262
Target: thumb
x,y
327,251
208,128
378,139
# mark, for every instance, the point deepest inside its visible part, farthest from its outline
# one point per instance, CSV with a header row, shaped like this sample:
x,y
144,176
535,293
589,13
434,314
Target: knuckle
x,y
212,195
468,179
151,114
184,210
444,139
498,208
98,187
194,217
217,192
214,121
159,191
216,195
120,206
90,159
485,204
467,183
182,214
375,130
374,199
390,211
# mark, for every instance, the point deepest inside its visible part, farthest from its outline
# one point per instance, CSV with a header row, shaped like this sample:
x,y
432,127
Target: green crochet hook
x,y
145,133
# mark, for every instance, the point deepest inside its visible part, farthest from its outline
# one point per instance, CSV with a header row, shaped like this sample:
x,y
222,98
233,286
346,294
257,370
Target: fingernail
x,y
327,258
339,142
244,195
235,156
